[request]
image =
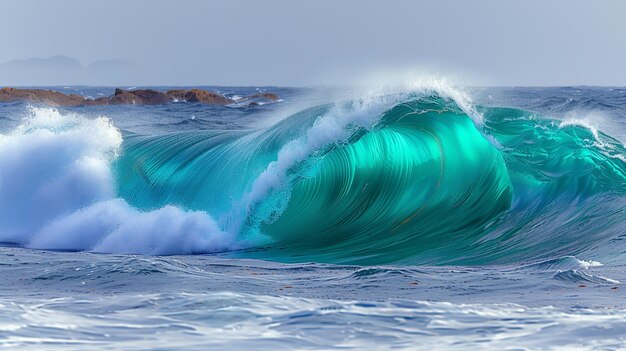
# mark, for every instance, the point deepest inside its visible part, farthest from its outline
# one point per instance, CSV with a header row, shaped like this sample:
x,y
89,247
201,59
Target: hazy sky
x,y
291,42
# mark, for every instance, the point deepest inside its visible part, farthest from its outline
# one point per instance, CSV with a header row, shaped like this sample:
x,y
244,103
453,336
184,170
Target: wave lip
x,y
561,263
578,276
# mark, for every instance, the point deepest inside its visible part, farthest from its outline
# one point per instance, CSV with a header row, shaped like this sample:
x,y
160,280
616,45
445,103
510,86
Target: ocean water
x,y
427,217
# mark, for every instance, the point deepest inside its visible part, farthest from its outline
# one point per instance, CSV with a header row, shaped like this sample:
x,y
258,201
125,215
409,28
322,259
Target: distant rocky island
x,y
127,97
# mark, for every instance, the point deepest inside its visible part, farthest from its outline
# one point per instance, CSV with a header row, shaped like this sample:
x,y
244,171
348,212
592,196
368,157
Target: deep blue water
x,y
197,227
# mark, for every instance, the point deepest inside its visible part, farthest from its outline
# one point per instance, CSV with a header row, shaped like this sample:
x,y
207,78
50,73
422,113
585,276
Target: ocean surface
x,y
426,217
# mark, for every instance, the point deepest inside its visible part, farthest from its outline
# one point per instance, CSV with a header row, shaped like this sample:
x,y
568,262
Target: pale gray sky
x,y
290,42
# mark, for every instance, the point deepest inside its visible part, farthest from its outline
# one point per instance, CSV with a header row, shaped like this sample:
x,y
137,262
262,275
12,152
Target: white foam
x,y
595,121
592,122
390,82
444,89
57,192
52,165
585,264
334,127
115,226
582,122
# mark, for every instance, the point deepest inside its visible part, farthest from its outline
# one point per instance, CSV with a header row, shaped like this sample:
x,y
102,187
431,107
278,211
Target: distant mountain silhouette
x,y
54,62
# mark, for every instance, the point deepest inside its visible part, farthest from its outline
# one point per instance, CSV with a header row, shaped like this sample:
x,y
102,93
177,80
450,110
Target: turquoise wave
x,y
425,185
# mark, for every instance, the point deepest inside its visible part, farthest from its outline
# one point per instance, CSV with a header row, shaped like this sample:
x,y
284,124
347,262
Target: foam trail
x,y
442,88
334,127
57,192
114,226
585,123
600,141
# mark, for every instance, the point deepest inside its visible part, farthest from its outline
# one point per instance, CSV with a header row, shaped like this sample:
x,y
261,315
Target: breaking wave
x,y
419,177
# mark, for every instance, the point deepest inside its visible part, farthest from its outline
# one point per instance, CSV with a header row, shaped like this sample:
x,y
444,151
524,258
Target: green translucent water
x,y
425,185
427,181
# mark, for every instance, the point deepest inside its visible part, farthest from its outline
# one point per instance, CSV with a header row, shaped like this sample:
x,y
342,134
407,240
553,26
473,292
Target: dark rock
x,y
48,97
98,102
139,97
268,96
125,97
178,94
206,97
150,97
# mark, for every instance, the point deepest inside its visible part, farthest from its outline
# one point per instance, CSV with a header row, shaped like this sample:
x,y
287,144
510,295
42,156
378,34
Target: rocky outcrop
x,y
267,96
177,95
123,97
256,100
139,97
97,102
198,95
206,97
48,97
